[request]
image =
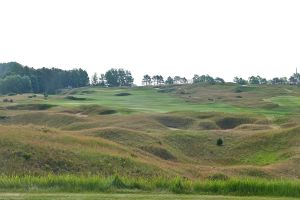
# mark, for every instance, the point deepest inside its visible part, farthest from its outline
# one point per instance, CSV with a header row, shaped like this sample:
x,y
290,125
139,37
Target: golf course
x,y
152,143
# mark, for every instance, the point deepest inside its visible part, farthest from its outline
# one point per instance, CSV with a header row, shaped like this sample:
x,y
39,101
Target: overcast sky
x,y
223,38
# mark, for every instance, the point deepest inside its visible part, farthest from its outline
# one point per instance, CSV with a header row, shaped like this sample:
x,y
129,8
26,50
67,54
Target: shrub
x,y
219,142
32,96
8,100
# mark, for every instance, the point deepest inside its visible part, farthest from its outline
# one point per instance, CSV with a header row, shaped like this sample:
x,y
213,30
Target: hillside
x,y
163,131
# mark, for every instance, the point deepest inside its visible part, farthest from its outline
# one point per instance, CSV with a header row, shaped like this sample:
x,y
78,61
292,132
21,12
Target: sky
x,y
224,38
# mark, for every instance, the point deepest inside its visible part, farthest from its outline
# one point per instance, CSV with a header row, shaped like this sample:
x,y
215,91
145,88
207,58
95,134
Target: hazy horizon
x,y
167,37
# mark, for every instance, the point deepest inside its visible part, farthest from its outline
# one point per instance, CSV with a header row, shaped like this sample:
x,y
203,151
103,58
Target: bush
x,y
8,100
32,96
219,142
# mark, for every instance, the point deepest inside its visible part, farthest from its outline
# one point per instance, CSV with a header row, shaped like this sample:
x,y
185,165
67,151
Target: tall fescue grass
x,y
71,183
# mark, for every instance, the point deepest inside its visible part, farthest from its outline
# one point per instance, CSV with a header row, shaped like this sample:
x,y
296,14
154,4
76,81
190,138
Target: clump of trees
x,y
295,79
240,81
113,78
257,80
207,79
15,78
15,84
279,81
159,80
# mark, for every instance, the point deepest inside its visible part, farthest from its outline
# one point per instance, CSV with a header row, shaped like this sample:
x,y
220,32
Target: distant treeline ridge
x,y
16,78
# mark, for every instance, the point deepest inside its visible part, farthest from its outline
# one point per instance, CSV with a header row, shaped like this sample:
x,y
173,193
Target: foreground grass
x,y
63,196
75,184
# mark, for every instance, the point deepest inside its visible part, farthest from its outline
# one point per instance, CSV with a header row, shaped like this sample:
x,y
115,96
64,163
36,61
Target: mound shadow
x,y
122,94
175,121
73,98
159,152
233,122
30,107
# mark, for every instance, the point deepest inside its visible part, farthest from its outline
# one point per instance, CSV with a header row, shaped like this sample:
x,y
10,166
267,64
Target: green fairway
x,y
153,100
49,196
140,99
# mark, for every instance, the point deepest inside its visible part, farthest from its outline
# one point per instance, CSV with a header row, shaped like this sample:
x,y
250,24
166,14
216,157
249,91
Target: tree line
x,y
15,78
257,80
207,79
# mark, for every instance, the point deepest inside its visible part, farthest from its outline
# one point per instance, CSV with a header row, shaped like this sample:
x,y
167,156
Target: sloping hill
x,y
154,132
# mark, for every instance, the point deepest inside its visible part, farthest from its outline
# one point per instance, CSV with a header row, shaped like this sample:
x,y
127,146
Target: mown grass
x,y
219,98
77,184
125,196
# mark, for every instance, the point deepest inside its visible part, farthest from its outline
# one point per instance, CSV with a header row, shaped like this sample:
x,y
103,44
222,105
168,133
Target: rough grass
x,y
67,183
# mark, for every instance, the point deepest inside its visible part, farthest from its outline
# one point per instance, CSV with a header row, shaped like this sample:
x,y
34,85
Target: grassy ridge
x,y
69,183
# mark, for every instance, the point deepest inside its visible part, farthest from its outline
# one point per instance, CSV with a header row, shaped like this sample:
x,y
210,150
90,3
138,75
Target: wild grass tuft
x,y
71,183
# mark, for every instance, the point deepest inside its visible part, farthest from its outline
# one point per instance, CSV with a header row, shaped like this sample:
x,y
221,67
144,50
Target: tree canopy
x,y
43,80
118,77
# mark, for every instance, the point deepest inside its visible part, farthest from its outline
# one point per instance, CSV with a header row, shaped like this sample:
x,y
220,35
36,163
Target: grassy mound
x,y
125,136
44,119
91,109
31,150
253,127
